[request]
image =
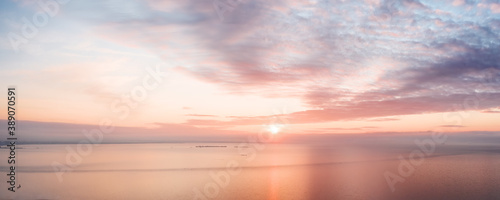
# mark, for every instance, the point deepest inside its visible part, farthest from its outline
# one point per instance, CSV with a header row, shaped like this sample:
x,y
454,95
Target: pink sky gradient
x,y
305,66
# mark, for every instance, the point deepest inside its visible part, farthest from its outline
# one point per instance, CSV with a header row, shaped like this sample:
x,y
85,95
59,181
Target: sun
x,y
274,128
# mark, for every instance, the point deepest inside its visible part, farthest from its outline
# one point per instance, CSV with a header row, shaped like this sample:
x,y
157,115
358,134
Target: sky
x,y
246,66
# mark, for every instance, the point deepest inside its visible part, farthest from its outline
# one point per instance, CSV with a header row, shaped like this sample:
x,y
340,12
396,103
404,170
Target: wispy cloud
x,y
452,126
348,61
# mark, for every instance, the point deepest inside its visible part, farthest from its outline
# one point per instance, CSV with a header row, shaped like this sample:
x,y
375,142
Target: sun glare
x,y
274,128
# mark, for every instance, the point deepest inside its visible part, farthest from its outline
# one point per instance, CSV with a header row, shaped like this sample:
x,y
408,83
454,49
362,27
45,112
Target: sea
x,y
377,170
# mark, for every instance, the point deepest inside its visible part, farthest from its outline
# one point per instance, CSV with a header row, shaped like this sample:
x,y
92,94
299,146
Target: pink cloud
x,y
458,2
495,7
364,109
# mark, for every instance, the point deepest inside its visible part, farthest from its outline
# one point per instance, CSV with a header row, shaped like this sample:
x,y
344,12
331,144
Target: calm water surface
x,y
233,171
